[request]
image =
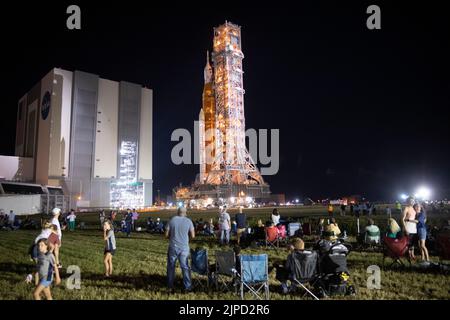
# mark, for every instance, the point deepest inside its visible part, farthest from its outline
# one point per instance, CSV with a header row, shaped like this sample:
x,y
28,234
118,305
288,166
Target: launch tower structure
x,y
232,162
227,169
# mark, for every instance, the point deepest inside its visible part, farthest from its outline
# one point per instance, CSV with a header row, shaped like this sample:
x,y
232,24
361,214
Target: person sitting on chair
x,y
282,273
372,234
259,233
297,247
332,231
393,229
275,218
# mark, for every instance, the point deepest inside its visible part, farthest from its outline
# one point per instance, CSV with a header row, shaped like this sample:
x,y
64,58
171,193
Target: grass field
x,y
140,265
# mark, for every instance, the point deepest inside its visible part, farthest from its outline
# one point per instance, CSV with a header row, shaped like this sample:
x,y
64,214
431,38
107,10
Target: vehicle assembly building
x,y
228,173
89,136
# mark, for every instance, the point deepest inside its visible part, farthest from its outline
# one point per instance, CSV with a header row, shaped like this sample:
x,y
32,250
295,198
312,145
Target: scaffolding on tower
x,y
227,170
233,163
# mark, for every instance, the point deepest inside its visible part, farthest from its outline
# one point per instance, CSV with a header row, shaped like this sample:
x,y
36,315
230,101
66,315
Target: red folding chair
x,y
281,232
395,249
272,237
443,245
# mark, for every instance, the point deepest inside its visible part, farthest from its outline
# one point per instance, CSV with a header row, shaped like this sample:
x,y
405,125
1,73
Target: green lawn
x,y
140,264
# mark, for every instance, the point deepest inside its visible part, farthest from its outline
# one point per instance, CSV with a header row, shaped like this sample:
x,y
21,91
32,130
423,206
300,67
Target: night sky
x,y
359,111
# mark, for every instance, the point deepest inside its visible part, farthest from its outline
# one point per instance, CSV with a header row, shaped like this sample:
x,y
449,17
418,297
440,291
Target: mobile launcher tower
x,y
228,173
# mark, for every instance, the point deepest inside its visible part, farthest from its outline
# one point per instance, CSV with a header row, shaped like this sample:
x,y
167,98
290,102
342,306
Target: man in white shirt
x,y
56,213
224,226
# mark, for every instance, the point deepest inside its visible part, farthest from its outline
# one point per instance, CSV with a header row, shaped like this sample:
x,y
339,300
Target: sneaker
x,y
185,291
59,265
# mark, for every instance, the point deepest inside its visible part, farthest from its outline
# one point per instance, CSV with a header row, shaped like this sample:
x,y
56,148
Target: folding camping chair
x,y
292,228
443,245
254,275
395,249
225,267
306,227
372,239
200,266
272,237
282,234
303,268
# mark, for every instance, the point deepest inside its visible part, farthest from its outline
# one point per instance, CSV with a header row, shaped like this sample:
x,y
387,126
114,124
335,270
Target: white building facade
x,y
91,136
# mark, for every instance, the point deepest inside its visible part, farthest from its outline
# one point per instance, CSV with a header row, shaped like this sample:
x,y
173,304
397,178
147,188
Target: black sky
x,y
359,111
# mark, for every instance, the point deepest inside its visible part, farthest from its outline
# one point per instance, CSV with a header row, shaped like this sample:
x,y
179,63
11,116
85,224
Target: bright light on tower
x,y
404,196
423,193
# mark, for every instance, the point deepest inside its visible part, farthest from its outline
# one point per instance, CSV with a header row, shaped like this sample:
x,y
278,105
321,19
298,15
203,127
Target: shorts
x,y
45,283
110,251
55,243
412,238
422,233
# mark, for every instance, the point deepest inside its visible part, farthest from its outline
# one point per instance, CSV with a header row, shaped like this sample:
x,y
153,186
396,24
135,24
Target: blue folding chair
x,y
254,275
293,227
200,266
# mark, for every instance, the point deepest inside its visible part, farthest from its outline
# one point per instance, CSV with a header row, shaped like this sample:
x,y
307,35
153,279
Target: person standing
x,y
357,210
330,210
422,232
369,208
110,247
241,221
275,217
388,212
398,207
363,207
135,217
71,217
409,223
56,213
11,219
46,267
224,226
129,221
178,231
343,207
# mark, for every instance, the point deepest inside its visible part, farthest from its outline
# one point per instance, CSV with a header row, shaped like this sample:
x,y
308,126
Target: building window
x,y
126,191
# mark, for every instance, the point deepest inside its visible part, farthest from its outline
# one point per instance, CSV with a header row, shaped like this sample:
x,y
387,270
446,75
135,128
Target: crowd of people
x,y
355,209
227,229
7,221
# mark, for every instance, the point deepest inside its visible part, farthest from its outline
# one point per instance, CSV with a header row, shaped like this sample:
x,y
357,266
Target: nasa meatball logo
x,y
45,110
